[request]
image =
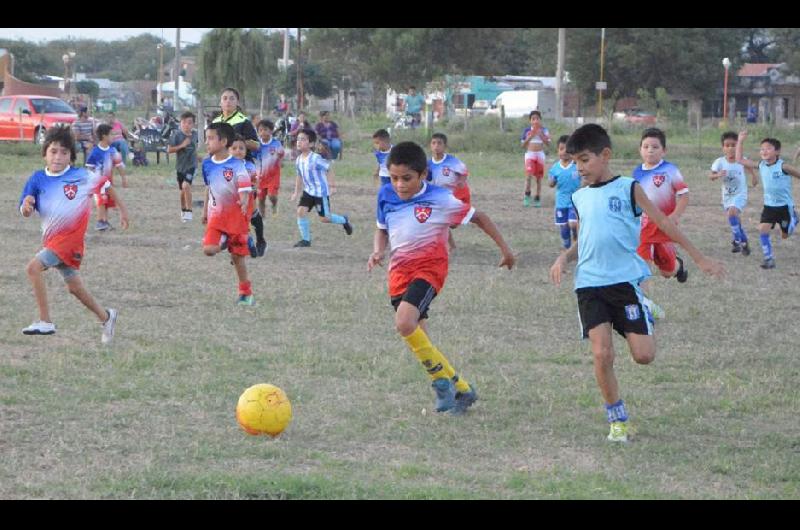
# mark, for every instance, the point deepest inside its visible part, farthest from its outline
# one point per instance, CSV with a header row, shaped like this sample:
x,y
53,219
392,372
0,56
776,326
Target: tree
x,y
88,87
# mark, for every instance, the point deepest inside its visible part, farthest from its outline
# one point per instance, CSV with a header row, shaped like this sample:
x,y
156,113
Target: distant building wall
x,y
13,86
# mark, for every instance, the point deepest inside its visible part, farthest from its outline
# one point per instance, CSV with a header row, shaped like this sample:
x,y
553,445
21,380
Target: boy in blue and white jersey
x,y
313,172
778,201
564,177
734,190
609,268
382,142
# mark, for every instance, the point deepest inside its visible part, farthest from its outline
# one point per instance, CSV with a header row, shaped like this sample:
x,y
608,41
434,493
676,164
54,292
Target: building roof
x,y
756,69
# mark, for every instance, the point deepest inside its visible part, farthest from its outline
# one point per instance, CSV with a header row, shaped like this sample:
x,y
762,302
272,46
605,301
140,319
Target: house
x,y
771,87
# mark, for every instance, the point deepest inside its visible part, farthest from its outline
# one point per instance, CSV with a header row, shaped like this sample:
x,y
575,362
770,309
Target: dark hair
x,y
382,134
186,115
655,132
408,154
323,113
729,135
534,113
63,136
440,136
231,89
563,139
266,124
310,134
591,137
774,142
103,129
239,138
412,87
224,130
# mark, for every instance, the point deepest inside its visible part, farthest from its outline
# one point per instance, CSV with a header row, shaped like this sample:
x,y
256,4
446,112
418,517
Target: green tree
x,y
88,87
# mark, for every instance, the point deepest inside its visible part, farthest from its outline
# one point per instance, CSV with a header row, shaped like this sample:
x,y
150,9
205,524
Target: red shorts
x,y
662,254
103,199
269,185
534,164
462,194
237,243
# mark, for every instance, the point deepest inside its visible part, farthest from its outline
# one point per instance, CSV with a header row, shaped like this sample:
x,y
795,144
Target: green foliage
x,y
88,87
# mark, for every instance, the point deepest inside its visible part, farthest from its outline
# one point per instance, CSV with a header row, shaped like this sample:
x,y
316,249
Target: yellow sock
x,y
434,361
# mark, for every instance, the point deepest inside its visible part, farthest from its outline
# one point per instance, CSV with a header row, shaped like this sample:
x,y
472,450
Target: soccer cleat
x,y
736,247
223,242
246,300
102,225
768,263
251,246
745,249
464,400
682,275
445,394
526,201
40,328
618,432
303,243
537,203
348,228
261,247
108,326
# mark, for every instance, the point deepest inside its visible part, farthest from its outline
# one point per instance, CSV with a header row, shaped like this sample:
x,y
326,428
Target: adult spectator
x,y
328,134
752,113
119,136
414,103
233,115
83,129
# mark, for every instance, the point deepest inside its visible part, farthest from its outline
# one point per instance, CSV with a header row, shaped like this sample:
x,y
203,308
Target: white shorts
x,y
737,201
539,155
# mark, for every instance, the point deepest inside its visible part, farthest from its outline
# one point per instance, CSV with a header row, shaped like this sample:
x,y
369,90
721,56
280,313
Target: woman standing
x,y
233,115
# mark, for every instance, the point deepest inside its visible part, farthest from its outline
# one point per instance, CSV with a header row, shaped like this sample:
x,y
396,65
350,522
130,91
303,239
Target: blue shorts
x,y
736,201
565,215
50,259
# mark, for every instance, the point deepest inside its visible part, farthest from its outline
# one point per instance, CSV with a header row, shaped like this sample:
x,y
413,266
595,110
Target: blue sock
x,y
766,246
565,235
337,219
305,230
616,412
742,235
733,220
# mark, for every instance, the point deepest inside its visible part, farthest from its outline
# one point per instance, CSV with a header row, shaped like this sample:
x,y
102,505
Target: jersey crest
x,y
659,179
422,213
227,173
70,190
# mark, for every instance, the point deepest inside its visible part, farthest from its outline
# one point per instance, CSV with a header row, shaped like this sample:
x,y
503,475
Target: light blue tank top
x,y
777,184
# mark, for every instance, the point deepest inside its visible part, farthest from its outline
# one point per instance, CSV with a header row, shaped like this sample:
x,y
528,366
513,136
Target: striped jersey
x,y
662,184
567,180
313,169
418,230
225,181
609,234
268,158
105,160
446,172
64,202
777,184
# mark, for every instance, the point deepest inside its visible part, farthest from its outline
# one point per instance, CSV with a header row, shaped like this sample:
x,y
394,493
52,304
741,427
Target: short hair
x,y
381,134
412,87
266,124
729,135
590,137
534,113
103,129
323,113
440,136
310,134
655,132
186,115
231,89
408,154
224,130
563,139
774,142
239,138
63,136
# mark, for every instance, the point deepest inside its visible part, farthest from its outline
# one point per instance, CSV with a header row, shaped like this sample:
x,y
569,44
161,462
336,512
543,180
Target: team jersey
x,y
777,184
567,180
541,137
734,183
446,172
269,158
383,170
105,160
64,202
662,184
418,230
225,181
609,234
313,169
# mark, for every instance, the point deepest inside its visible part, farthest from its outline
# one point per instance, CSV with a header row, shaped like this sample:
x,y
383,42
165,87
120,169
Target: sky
x,y
188,35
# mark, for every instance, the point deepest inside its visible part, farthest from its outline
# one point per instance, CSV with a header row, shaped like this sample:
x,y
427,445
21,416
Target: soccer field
x,y
152,416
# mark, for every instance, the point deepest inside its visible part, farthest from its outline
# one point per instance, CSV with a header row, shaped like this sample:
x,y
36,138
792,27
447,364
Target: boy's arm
x,y
705,264
792,170
123,211
183,145
740,152
753,175
714,175
681,202
379,242
331,182
205,207
297,182
563,258
550,180
27,206
487,225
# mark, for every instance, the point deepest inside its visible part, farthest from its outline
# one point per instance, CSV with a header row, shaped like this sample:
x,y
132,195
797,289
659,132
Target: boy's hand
x,y
508,259
711,267
332,189
294,196
742,135
557,268
376,258
123,220
27,205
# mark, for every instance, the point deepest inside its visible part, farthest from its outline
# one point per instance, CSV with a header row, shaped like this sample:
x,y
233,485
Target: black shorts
x,y
322,204
420,294
777,214
186,176
619,304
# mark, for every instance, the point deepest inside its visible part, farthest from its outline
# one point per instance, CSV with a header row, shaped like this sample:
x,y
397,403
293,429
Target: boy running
x,y
609,268
382,142
413,218
270,157
533,139
734,190
564,177
447,171
238,150
62,195
104,158
184,143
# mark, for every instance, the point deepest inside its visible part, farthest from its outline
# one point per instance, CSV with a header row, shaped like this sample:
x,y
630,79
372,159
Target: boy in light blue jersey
x,y
382,142
564,177
778,201
734,190
609,269
313,173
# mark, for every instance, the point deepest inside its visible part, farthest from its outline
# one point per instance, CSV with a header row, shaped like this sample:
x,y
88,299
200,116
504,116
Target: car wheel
x,y
39,135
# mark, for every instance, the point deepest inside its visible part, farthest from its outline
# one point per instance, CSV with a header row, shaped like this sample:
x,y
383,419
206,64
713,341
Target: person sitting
x,y
328,134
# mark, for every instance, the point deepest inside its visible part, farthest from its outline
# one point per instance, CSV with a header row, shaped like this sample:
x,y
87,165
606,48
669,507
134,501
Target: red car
x,y
27,118
640,116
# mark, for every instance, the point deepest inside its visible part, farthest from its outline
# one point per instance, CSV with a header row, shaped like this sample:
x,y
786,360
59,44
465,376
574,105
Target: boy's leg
x,y
450,241
573,226
273,199
526,201
603,354
76,288
766,245
34,270
212,241
303,225
326,216
187,195
245,287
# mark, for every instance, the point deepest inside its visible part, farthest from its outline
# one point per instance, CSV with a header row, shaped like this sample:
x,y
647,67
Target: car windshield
x,y
49,106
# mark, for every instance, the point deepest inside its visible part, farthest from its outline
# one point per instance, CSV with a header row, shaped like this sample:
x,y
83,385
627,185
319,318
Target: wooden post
x,y
261,107
503,118
177,70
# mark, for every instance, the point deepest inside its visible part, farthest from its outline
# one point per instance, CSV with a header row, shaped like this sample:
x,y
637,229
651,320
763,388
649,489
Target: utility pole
x,y
177,70
601,85
300,95
560,75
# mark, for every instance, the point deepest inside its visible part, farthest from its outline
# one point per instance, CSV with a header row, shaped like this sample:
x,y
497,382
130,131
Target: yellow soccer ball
x,y
264,409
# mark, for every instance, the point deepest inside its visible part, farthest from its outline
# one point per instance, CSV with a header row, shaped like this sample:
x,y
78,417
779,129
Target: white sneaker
x,y
40,328
183,217
188,215
108,326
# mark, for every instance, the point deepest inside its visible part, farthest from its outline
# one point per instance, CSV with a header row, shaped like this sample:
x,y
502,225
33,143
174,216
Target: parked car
x,y
480,106
27,118
640,117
